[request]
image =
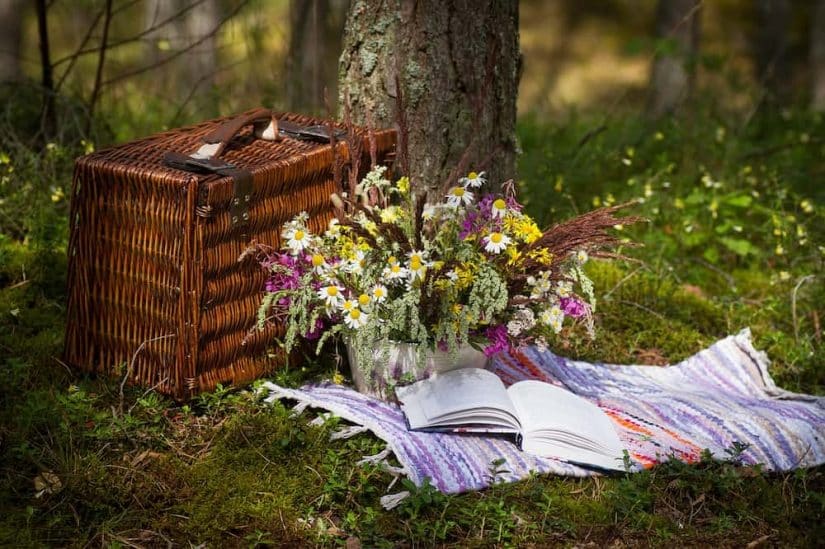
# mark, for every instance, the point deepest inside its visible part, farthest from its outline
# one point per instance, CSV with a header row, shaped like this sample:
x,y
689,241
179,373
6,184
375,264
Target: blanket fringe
x,y
380,456
299,409
348,432
321,419
275,392
392,501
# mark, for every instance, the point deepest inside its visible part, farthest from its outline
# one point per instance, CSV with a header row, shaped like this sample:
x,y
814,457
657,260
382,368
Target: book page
x,y
464,396
558,423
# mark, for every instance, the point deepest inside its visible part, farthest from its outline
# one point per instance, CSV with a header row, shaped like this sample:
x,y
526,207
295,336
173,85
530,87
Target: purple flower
x,y
573,307
285,273
468,226
315,333
497,335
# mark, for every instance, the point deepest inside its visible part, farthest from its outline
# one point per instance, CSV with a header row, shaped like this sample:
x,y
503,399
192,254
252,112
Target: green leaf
x,y
738,201
696,197
711,254
739,246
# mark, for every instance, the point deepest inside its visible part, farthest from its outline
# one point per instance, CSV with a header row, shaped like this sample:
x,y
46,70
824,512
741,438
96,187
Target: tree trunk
x,y
316,33
48,115
11,24
457,65
818,57
186,26
771,49
673,77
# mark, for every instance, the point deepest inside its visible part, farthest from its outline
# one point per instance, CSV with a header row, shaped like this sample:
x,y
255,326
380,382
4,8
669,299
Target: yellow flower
x,y
403,185
541,256
513,255
527,231
363,300
371,227
389,214
510,223
338,378
464,276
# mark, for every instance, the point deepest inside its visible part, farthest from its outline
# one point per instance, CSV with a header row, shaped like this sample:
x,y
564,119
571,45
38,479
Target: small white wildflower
x,y
429,212
564,288
553,317
515,328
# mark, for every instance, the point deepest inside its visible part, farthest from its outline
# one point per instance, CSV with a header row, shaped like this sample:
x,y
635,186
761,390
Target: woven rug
x,y
714,400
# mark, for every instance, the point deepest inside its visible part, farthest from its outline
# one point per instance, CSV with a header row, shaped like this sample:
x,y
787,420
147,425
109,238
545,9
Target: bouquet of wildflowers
x,y
470,269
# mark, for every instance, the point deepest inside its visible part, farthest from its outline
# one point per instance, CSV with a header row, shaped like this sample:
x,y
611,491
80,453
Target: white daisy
x,y
459,196
395,273
356,264
348,305
418,264
473,180
581,257
355,318
319,263
496,242
364,301
379,293
499,208
332,294
297,239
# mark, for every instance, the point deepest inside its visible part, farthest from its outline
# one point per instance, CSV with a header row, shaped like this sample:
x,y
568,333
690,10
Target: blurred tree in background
x,y
316,32
143,65
673,76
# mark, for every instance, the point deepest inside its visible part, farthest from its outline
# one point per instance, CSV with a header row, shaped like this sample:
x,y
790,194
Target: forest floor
x,y
735,239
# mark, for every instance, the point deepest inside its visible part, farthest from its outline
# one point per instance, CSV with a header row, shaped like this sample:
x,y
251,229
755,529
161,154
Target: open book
x,y
547,420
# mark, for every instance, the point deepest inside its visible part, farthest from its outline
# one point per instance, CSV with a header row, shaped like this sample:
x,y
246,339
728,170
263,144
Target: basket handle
x,y
215,141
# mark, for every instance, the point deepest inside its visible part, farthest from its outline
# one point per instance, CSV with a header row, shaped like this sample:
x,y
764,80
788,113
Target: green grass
x,y
227,471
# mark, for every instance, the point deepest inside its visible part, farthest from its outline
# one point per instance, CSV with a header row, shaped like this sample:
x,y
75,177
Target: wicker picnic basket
x,y
157,291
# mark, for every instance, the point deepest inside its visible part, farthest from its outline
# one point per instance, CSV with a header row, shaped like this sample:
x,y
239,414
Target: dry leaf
x,y
47,483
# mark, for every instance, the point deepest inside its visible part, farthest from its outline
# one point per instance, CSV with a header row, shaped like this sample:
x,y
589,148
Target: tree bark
x,y
771,49
456,64
818,57
11,24
316,35
673,77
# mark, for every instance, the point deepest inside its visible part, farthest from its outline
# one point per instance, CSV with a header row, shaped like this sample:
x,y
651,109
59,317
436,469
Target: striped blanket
x,y
714,400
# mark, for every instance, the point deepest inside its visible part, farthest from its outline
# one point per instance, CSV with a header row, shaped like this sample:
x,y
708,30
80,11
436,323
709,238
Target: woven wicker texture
x,y
156,288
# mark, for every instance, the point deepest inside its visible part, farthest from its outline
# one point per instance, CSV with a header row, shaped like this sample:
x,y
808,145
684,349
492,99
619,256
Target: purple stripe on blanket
x,y
719,396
